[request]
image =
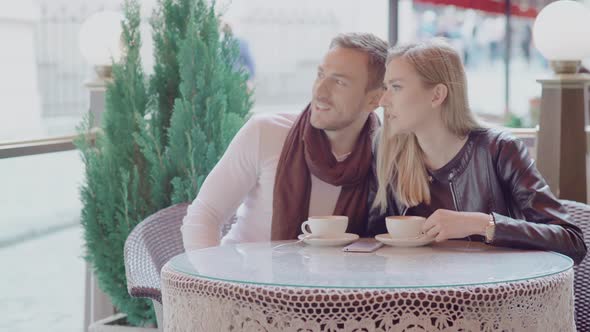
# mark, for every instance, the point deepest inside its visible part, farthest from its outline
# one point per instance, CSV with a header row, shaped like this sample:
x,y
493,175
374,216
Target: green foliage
x,y
169,26
513,121
115,193
159,140
213,103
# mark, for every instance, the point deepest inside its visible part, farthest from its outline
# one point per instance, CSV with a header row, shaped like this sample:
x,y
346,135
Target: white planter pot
x,y
115,323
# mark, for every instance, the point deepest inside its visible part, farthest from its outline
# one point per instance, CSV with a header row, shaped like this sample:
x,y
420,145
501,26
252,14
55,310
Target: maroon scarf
x,y
307,150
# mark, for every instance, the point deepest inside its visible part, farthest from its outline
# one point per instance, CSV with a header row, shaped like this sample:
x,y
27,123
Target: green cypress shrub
x,y
161,136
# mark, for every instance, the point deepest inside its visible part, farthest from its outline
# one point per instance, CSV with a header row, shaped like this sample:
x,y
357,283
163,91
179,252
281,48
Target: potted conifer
x,y
160,136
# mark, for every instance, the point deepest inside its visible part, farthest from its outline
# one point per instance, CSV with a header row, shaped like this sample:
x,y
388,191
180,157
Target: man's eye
x,y
320,75
340,82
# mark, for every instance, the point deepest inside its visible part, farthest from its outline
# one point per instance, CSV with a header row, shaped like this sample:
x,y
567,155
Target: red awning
x,y
522,8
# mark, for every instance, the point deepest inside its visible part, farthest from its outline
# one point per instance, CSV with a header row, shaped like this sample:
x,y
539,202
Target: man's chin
x,y
324,126
315,121
317,125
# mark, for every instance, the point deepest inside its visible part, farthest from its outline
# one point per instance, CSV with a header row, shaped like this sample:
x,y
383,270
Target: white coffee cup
x,y
325,226
404,226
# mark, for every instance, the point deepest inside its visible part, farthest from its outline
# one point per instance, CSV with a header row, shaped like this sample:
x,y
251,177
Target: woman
x,y
434,160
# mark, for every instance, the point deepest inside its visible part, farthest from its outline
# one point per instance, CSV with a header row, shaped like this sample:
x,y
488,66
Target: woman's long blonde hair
x,y
400,160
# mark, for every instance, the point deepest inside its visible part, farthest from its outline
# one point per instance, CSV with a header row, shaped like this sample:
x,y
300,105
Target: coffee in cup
x,y
400,227
325,226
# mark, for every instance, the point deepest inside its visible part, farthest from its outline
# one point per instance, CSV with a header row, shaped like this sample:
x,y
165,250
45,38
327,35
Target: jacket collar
x,y
455,167
460,161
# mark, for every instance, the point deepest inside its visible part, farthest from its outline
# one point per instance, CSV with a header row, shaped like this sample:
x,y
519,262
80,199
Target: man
x,y
281,168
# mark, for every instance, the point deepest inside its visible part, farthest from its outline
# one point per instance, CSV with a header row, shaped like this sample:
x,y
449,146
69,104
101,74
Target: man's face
x,y
339,96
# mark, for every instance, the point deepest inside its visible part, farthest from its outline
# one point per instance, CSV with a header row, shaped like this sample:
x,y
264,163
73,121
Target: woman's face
x,y
407,102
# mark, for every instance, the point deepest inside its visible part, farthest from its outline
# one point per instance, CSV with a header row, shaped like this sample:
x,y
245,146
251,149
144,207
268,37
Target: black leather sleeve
x,y
546,224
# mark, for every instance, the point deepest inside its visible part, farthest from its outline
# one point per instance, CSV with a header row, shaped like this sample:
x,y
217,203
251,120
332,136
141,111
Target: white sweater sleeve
x,y
223,190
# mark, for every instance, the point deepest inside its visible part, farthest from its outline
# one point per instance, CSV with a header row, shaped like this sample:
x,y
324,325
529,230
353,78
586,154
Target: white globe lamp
x,y
560,33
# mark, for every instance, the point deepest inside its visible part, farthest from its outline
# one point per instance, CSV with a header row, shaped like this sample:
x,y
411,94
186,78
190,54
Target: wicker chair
x,y
151,244
580,214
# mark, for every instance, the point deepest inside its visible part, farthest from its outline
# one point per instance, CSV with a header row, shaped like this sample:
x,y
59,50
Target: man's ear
x,y
440,94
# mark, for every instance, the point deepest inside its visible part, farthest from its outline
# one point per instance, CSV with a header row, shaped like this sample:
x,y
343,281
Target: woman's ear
x,y
440,94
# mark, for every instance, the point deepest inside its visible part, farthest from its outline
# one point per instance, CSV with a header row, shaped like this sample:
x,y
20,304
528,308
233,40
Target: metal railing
x,y
33,147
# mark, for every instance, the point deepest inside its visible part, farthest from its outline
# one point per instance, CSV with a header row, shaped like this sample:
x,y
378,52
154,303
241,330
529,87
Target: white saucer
x,y
339,240
403,242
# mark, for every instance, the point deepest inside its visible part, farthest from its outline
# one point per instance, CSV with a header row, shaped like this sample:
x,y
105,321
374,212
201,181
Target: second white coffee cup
x,y
404,226
326,226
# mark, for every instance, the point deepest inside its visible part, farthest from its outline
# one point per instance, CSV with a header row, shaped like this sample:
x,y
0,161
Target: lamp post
x,y
560,33
99,40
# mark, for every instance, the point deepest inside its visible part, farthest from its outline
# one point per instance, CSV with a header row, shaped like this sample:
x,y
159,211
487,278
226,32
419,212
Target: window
x,y
480,39
285,56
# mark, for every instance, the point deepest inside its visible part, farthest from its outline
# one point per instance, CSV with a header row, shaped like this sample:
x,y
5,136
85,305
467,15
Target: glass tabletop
x,y
452,263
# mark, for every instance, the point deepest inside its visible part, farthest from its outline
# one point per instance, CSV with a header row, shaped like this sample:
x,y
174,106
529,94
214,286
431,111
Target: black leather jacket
x,y
493,173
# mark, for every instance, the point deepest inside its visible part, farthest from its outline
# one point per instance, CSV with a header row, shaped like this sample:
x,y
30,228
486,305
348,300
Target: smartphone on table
x,y
363,245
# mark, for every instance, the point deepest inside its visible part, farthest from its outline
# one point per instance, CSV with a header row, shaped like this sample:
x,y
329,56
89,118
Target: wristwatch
x,y
490,229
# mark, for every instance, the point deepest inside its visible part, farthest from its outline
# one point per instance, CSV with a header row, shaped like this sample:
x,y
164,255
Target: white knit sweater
x,y
242,183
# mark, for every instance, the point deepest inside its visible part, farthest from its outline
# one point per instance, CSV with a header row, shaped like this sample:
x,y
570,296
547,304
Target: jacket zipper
x,y
455,204
455,197
453,191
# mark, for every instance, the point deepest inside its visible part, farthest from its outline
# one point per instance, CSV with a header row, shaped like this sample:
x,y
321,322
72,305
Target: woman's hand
x,y
447,224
